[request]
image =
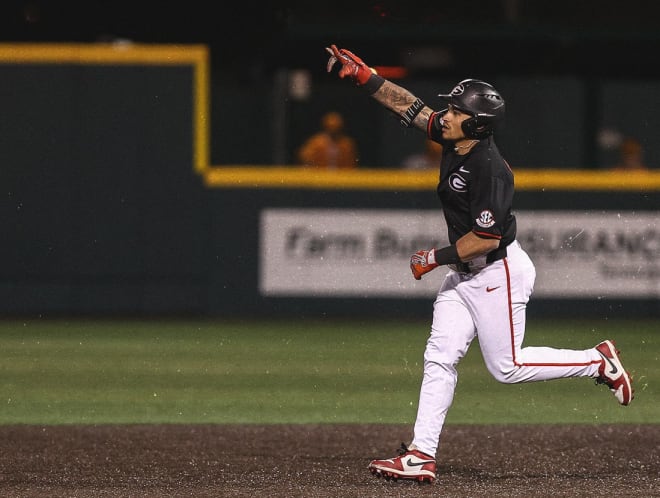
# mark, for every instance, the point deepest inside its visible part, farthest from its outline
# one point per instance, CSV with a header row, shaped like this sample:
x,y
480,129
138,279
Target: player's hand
x,y
422,262
351,65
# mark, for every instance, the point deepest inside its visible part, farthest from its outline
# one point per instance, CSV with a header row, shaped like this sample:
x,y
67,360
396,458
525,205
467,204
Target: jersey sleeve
x,y
490,203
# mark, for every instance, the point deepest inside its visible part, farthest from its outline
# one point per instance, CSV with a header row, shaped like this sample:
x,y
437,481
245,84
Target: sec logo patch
x,y
485,219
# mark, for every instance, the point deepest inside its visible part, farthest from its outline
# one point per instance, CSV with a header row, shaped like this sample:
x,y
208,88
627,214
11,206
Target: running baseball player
x,y
490,276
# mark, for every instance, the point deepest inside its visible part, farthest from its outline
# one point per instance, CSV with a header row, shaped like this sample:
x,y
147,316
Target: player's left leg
x,y
498,297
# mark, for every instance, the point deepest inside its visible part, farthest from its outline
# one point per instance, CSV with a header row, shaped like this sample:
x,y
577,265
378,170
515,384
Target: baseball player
x,y
490,277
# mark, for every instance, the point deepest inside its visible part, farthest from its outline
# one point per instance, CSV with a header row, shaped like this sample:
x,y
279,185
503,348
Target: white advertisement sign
x,y
593,253
366,252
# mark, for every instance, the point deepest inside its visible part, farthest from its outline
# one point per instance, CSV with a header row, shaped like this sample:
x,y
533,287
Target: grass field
x,y
362,371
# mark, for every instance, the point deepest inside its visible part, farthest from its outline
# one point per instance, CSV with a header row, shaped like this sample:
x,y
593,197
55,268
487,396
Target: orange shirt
x,y
321,151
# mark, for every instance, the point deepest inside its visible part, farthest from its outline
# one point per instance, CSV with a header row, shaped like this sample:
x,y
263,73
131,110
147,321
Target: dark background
x,y
251,40
573,69
102,209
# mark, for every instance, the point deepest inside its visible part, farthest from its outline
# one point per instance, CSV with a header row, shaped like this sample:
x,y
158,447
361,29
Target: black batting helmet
x,y
481,101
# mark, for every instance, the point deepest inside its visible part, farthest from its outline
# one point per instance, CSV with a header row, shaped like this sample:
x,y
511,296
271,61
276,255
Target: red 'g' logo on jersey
x,y
485,219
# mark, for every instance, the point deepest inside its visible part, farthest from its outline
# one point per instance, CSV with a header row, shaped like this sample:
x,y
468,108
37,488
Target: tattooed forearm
x,y
394,97
397,99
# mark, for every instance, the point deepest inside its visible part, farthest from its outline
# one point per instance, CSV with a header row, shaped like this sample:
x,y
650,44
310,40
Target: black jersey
x,y
476,191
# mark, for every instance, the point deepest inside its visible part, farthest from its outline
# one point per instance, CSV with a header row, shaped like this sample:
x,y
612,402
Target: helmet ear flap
x,y
478,127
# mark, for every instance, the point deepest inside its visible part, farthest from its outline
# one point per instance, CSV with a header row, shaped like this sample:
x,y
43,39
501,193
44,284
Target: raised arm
x,y
410,109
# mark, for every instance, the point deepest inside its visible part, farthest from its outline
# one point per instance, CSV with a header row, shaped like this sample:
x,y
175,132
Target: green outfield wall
x,y
114,202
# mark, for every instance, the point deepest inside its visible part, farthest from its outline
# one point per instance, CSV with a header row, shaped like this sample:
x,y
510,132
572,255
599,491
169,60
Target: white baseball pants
x,y
491,305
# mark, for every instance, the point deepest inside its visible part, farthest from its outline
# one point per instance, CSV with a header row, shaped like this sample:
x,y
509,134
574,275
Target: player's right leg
x,y
411,464
452,332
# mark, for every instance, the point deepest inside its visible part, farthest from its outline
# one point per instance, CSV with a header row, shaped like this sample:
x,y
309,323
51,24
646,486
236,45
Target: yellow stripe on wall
x,y
100,53
387,179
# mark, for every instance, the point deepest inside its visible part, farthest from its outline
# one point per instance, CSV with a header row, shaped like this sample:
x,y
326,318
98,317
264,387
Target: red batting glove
x,y
422,262
351,65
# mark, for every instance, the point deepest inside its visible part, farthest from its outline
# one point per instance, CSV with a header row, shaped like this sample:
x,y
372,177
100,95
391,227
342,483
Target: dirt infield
x,y
324,461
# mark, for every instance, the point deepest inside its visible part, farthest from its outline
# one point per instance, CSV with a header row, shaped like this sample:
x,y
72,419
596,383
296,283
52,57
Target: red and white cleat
x,y
411,464
612,373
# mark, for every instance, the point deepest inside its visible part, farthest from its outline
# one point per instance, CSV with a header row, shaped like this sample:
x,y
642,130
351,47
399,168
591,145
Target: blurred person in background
x,y
428,159
631,156
489,277
330,148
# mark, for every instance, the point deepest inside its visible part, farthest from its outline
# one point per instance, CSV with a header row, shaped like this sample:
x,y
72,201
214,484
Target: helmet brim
x,y
451,100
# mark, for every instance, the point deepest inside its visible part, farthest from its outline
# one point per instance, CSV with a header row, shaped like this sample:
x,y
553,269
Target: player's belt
x,y
478,264
496,255
460,267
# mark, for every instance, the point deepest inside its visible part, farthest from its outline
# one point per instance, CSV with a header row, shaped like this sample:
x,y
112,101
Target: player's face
x,y
452,124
